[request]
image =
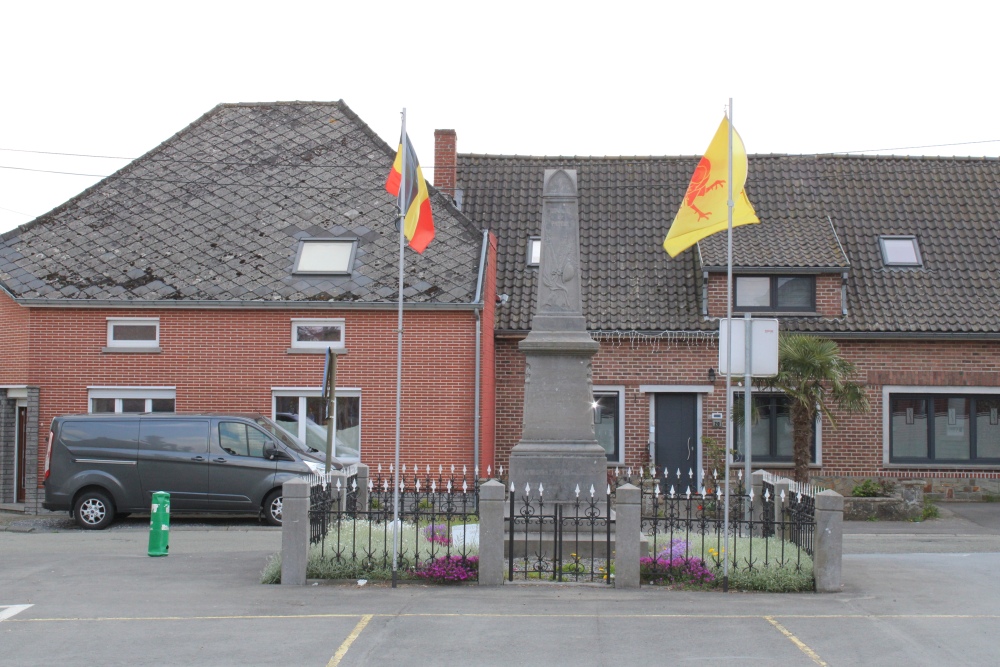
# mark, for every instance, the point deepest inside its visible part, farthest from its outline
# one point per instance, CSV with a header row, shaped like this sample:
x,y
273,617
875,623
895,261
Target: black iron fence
x,y
352,523
559,541
696,533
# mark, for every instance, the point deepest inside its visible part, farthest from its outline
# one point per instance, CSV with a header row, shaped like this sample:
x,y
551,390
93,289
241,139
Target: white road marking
x,y
8,610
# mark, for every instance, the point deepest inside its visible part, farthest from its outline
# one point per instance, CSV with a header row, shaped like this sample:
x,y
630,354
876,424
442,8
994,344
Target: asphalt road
x,y
98,599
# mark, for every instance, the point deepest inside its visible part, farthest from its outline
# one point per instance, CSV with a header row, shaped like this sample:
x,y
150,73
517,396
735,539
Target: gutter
x,y
236,305
479,350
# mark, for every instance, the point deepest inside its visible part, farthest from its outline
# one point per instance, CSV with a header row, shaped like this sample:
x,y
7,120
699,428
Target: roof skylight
x,y
900,250
325,256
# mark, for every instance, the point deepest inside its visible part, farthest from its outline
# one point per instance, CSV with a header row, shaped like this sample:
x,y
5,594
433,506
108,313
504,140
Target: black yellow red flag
x,y
418,222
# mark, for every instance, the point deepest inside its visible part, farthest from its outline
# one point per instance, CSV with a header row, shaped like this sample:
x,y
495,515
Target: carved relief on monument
x,y
557,276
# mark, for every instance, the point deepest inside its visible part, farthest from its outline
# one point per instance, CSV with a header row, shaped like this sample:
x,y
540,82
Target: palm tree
x,y
813,375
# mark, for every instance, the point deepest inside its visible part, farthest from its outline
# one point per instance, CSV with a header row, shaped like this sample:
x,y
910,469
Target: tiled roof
x,y
952,205
215,213
805,243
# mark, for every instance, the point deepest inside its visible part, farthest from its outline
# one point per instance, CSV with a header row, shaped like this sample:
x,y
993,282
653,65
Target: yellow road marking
x,y
487,615
342,651
795,640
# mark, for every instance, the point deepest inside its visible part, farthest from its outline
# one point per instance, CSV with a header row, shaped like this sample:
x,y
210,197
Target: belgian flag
x,y
418,224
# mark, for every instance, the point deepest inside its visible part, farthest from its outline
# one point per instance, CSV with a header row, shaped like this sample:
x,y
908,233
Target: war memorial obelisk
x,y
558,447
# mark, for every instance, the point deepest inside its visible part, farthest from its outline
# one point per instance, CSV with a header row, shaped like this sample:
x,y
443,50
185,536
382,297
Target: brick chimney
x,y
445,165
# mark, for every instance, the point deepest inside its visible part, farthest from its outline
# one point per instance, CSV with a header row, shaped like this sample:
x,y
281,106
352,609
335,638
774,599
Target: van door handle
x,y
197,458
219,460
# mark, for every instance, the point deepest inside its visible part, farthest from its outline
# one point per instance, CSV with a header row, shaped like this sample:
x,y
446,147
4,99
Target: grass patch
x,y
365,552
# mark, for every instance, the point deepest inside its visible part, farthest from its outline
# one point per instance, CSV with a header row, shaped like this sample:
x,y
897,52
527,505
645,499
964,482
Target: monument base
x,y
560,467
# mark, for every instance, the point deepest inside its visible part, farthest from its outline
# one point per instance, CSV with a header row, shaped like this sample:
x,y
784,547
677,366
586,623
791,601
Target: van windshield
x,y
284,436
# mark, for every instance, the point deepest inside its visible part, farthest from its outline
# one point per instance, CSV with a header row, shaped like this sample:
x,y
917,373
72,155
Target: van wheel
x,y
272,508
94,510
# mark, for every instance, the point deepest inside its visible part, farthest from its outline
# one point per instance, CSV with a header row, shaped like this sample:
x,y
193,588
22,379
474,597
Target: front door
x,y
676,426
21,454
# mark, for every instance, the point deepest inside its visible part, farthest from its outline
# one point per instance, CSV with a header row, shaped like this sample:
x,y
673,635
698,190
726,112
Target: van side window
x,y
238,439
176,435
100,433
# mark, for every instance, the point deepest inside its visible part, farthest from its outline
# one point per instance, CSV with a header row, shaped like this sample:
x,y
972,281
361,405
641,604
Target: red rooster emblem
x,y
699,187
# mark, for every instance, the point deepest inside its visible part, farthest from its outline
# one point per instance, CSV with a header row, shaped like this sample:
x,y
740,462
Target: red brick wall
x,y
853,448
829,301
228,360
445,150
13,341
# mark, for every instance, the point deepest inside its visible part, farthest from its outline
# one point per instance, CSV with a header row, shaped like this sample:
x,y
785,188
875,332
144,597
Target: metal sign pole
x,y
729,360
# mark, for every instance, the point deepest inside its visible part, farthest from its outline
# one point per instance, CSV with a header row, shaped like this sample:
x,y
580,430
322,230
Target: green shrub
x,y
871,488
930,510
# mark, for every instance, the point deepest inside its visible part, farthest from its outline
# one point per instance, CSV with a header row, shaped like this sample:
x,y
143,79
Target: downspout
x,y
479,349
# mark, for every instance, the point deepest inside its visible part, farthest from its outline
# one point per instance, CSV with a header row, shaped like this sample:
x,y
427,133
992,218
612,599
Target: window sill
x,y
941,466
314,350
778,313
785,465
131,350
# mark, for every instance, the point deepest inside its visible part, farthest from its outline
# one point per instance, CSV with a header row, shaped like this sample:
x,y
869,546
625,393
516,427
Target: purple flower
x,y
447,569
437,533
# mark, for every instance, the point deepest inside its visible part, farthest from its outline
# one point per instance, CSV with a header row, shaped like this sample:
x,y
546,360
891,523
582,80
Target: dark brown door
x,y
21,447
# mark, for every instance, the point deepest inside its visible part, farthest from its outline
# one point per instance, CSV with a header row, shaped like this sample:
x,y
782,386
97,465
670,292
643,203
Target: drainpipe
x,y
479,352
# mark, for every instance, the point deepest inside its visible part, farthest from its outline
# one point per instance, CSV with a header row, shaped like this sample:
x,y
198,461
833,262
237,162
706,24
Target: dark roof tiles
x,y
818,213
215,213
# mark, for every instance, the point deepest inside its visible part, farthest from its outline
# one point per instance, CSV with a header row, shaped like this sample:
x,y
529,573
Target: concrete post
x,y
781,487
294,531
829,546
757,506
339,494
362,487
491,533
628,529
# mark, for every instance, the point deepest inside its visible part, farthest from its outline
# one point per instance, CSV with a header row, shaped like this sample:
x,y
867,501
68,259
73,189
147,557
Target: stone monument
x,y
558,447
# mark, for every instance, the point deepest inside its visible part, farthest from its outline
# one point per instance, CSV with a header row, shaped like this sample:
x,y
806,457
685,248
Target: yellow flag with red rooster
x,y
704,210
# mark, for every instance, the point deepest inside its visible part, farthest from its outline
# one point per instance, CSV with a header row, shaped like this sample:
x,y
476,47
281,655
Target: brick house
x,y
895,258
212,273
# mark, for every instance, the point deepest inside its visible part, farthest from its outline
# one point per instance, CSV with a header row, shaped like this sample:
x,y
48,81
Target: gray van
x,y
102,465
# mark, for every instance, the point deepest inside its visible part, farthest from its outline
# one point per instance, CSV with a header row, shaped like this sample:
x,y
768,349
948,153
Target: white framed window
x,y
300,411
131,399
325,256
135,333
318,334
947,426
771,434
609,421
534,251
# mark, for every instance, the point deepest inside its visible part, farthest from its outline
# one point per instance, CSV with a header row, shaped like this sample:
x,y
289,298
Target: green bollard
x,y
159,524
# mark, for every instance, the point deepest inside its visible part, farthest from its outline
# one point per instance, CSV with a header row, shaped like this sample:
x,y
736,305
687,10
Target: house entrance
x,y
676,448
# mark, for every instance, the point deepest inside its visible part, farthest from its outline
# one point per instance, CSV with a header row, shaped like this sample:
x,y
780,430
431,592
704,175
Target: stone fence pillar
x,y
828,549
491,530
294,531
628,527
757,504
782,495
362,487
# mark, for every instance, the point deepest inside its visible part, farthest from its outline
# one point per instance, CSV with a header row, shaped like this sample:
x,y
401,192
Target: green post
x,y
159,524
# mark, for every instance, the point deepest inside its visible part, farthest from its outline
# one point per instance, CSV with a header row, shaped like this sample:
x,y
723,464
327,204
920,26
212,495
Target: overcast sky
x,y
511,77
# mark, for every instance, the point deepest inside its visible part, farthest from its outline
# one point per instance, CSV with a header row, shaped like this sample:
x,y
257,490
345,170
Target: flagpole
x,y
399,352
729,350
